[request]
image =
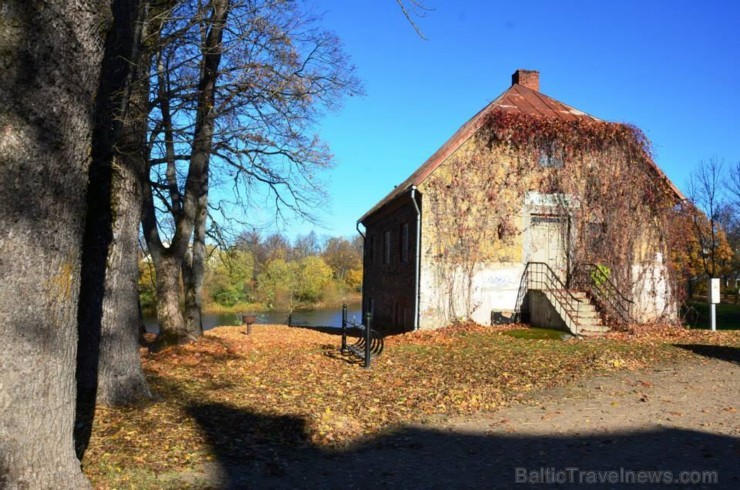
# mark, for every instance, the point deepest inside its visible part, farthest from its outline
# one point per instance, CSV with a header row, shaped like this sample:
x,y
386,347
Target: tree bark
x,y
50,54
108,363
121,379
193,272
172,327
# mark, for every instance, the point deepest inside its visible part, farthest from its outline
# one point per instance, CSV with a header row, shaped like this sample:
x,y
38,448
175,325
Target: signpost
x,y
713,300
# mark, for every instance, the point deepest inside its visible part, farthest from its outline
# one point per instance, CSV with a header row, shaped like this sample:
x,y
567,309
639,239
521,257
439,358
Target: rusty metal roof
x,y
516,98
531,102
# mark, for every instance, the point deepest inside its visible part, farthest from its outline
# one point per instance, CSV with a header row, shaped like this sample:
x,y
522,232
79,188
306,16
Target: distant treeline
x,y
271,272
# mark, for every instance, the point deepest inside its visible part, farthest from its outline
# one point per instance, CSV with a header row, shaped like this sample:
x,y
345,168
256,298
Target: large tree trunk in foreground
x,y
50,57
108,363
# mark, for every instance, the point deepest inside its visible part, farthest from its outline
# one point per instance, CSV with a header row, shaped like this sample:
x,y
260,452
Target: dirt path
x,y
670,419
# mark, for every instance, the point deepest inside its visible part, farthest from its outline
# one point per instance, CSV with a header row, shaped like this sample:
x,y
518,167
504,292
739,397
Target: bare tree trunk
x,y
108,363
172,328
51,57
170,261
197,189
193,272
121,379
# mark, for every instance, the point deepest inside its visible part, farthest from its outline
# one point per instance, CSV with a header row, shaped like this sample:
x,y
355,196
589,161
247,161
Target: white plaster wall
x,y
651,293
494,287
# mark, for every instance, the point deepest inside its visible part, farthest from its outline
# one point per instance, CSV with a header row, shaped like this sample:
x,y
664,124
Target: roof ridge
x,y
468,129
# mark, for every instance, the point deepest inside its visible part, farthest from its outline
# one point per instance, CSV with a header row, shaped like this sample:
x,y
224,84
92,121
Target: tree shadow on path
x,y
261,451
721,352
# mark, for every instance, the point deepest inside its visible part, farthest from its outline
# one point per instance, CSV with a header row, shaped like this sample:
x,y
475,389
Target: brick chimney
x,y
526,78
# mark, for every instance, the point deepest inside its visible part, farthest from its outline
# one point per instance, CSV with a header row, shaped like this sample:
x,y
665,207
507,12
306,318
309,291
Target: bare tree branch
x,y
411,9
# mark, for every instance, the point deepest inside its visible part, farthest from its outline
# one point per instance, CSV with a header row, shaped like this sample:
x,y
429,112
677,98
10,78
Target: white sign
x,y
714,290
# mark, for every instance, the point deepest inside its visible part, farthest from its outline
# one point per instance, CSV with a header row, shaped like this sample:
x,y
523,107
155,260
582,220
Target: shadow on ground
x,y
721,352
259,451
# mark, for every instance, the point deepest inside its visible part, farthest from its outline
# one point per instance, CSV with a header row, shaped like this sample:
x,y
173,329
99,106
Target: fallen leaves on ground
x,y
233,397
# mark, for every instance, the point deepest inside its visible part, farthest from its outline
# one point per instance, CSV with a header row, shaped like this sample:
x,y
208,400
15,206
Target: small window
x,y
370,250
550,160
596,235
387,247
405,242
551,156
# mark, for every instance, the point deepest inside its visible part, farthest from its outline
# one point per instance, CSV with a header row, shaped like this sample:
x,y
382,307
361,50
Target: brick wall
x,y
389,267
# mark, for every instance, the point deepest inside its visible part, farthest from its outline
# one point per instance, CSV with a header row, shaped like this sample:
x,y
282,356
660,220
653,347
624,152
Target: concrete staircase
x,y
551,304
577,312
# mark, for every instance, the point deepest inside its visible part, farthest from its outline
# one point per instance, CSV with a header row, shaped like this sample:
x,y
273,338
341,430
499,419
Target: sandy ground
x,y
594,433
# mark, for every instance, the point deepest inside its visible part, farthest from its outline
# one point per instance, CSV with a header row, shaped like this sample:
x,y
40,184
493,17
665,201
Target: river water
x,y
323,317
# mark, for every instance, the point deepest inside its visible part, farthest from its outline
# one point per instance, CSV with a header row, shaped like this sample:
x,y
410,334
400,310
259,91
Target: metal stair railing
x,y
539,276
606,294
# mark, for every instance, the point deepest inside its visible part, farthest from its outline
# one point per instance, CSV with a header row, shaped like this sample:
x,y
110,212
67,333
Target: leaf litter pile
x,y
231,397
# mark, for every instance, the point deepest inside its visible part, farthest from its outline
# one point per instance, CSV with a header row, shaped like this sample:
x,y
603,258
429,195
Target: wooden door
x,y
548,238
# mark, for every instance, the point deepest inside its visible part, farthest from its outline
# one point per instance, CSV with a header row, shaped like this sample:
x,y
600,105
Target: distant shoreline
x,y
259,308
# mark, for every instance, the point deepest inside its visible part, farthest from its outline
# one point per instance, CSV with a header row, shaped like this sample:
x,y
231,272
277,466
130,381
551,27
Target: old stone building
x,y
532,210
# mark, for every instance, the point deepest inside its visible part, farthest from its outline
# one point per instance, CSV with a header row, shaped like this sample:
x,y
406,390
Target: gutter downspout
x,y
362,309
417,278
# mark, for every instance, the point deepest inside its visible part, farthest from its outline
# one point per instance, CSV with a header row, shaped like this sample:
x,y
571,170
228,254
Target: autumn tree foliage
x,y
712,213
272,272
690,246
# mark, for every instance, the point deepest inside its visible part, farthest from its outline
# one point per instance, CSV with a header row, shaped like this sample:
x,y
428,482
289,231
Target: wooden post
x,y
248,321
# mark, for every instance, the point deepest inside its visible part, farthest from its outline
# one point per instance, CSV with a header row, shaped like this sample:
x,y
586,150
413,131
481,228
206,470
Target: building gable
x,y
522,97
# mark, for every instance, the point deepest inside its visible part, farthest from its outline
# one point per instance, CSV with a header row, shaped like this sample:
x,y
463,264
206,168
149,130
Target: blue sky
x,y
670,67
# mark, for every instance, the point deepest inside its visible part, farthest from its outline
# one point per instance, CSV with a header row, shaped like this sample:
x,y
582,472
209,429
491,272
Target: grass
x,y
230,398
539,333
697,315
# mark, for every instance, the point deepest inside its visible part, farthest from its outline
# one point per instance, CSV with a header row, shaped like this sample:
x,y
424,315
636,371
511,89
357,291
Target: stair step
x,y
584,330
584,318
587,309
579,295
